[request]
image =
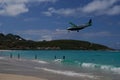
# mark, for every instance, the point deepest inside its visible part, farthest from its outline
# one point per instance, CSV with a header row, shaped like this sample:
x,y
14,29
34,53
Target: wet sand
x,y
17,77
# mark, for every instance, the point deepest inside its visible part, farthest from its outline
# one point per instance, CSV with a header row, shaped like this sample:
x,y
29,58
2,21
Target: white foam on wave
x,y
88,65
106,67
111,68
117,70
102,67
58,60
69,73
40,61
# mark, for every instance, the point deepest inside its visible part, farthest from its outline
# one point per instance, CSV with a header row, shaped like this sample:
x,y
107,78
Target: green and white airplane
x,y
74,27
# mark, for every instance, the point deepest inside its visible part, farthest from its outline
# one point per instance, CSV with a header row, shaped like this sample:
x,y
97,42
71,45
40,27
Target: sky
x,y
48,20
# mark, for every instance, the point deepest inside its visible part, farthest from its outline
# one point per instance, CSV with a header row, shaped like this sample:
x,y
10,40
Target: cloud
x,y
63,11
114,10
13,10
95,7
17,7
101,7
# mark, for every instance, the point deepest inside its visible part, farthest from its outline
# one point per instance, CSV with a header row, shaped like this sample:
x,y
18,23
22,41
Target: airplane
x,y
74,27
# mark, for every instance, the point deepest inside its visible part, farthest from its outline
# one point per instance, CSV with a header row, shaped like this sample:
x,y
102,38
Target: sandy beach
x,y
14,69
18,77
21,69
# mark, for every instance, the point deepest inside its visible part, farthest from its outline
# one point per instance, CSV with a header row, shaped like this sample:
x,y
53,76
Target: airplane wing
x,y
73,24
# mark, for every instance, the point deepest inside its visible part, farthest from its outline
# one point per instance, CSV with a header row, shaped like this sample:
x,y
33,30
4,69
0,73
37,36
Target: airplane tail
x,y
90,22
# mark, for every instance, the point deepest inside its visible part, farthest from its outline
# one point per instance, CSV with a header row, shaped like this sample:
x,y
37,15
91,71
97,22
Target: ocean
x,y
100,65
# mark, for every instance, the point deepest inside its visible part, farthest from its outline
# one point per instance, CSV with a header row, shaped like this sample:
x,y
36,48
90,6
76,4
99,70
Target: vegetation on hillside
x,y
15,42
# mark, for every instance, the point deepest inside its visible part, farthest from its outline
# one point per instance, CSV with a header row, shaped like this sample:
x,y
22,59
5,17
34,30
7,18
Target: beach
x,y
17,77
17,69
48,68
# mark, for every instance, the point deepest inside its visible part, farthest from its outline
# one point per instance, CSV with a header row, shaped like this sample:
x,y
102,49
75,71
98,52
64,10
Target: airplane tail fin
x,y
90,22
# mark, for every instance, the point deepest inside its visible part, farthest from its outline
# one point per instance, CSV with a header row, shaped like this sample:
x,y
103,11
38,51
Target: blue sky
x,y
48,19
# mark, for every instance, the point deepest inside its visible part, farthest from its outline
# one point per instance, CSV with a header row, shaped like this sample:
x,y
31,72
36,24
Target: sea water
x,y
103,61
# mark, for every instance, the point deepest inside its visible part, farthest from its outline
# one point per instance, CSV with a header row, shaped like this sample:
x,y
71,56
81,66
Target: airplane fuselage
x,y
76,28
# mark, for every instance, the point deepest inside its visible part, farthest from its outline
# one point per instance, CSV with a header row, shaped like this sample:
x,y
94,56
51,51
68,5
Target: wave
x,y
102,67
40,61
69,73
91,65
58,60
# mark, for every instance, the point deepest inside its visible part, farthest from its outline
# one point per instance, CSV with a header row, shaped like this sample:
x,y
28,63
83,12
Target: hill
x,y
15,42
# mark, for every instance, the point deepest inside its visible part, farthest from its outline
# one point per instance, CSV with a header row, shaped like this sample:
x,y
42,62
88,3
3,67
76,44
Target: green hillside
x,y
15,42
